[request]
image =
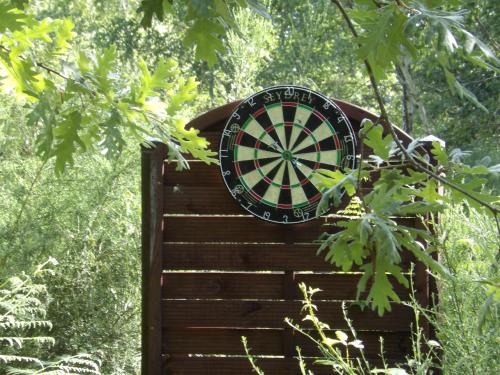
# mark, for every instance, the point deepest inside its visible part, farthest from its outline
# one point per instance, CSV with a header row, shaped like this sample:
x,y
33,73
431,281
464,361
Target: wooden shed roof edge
x,y
214,116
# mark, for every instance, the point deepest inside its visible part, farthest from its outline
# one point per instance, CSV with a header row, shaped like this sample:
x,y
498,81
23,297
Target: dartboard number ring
x,y
272,146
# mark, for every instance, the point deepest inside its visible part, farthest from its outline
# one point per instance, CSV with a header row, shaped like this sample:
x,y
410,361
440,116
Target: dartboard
x,y
272,146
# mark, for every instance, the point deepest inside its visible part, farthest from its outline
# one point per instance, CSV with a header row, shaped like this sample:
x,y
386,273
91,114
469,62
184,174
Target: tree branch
x,y
384,119
407,105
40,65
47,68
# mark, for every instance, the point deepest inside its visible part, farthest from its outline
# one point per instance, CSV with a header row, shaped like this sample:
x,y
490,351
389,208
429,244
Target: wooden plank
x,y
249,257
152,168
202,200
239,229
270,314
271,341
198,174
185,365
244,285
205,175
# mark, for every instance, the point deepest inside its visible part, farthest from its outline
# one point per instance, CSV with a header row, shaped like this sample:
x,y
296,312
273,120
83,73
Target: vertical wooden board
x,y
152,211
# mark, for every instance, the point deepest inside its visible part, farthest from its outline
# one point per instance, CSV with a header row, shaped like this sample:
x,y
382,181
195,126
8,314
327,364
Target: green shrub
x,y
23,327
468,332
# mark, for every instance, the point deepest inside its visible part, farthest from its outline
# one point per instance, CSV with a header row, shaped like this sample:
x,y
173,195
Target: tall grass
x,y
470,252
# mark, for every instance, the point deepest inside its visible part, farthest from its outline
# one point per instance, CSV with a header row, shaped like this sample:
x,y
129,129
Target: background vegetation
x,y
88,218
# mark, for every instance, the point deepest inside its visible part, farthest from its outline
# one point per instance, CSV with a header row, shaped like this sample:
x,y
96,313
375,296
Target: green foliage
x,y
383,40
460,122
322,57
152,8
84,102
392,31
373,138
88,216
373,239
208,21
469,249
23,309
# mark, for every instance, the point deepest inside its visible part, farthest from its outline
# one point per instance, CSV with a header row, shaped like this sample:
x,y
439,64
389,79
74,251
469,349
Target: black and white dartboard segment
x,y
272,145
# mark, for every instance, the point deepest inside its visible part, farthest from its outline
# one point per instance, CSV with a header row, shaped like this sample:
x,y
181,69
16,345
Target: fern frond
x,y
23,306
25,324
83,360
67,370
17,358
19,341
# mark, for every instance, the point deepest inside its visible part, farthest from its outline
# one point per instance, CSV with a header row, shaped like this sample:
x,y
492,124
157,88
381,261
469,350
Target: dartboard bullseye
x,y
273,144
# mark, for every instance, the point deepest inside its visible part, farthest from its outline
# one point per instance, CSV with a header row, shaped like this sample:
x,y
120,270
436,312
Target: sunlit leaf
x,y
374,138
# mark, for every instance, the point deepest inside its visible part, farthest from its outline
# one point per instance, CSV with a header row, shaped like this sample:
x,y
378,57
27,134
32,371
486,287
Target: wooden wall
x,y
212,273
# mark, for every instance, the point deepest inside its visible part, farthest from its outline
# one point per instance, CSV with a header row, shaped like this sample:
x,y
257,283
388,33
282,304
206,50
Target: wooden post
x,y
152,160
289,294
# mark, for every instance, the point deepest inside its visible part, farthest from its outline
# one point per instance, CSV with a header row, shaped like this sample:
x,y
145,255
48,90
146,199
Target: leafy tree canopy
x,y
83,101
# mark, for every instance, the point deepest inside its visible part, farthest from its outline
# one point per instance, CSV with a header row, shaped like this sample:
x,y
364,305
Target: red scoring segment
x,y
315,198
337,142
255,195
238,138
258,112
238,169
323,118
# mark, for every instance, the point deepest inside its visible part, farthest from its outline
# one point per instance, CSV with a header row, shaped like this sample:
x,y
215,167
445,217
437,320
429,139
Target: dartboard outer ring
x,y
273,143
